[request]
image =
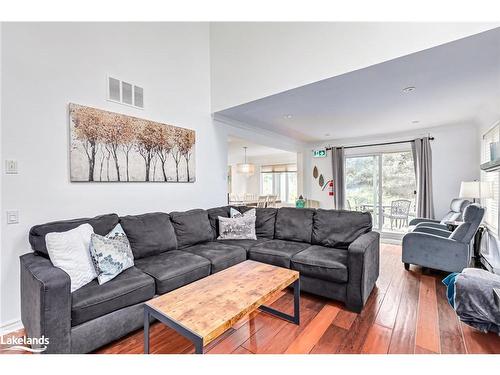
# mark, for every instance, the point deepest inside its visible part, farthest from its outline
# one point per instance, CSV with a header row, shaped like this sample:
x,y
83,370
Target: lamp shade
x,y
469,189
246,168
476,189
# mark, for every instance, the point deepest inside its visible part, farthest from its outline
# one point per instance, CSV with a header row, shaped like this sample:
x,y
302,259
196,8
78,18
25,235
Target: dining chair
x,y
271,200
262,201
249,197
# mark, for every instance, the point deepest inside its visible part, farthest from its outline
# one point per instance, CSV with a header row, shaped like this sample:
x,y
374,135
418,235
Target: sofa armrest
x,y
421,228
46,302
429,250
363,261
419,220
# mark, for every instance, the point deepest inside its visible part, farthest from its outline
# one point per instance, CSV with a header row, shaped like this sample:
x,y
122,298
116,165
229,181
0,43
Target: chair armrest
x,y
46,302
422,228
433,225
363,261
422,220
430,250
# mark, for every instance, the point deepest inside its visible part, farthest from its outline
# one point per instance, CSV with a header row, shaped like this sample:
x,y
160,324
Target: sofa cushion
x,y
264,222
213,217
246,244
220,255
294,224
174,269
93,300
149,234
338,228
276,252
101,225
191,227
322,263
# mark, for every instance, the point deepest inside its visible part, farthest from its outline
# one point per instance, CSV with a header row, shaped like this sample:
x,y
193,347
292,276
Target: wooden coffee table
x,y
203,310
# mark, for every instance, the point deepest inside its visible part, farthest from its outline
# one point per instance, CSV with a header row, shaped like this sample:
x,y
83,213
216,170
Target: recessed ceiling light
x,y
288,116
409,89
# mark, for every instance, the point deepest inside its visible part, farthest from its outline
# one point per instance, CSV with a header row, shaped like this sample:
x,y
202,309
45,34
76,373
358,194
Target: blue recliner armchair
x,y
441,249
457,207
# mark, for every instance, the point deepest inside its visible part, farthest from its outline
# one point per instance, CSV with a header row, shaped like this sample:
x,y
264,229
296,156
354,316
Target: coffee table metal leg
x,y
296,301
191,336
295,318
198,346
146,331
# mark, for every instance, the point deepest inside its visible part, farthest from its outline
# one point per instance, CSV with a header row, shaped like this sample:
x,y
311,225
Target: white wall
x,y
254,60
46,66
455,156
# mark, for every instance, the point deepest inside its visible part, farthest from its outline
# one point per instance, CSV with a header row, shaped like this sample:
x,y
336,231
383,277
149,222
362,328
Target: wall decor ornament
x,y
321,181
112,147
315,172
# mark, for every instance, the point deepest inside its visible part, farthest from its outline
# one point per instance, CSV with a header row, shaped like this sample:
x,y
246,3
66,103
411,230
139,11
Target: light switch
x,y
11,167
12,217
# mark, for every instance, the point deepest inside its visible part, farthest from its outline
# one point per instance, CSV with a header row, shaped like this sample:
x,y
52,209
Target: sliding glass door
x,y
362,176
383,184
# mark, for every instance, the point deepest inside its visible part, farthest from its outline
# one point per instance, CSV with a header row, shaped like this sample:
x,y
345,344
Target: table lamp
x,y
476,190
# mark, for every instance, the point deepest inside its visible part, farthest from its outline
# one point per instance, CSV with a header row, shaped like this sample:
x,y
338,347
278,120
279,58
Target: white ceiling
x,y
454,82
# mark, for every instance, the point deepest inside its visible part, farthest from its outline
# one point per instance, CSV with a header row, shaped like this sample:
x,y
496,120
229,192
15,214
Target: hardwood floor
x,y
406,313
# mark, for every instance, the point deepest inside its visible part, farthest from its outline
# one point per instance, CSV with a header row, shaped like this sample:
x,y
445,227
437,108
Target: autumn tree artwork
x,y
112,147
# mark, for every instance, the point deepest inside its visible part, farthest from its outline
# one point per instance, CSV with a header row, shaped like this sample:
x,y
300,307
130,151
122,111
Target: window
x,y
382,183
491,204
279,180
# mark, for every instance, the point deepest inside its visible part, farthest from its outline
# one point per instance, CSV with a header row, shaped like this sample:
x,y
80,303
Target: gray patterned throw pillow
x,y
111,254
237,228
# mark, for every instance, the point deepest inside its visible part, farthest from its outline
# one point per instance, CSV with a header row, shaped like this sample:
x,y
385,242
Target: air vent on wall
x,y
125,93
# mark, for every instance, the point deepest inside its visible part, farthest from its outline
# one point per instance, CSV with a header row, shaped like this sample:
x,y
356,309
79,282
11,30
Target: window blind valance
x,y
276,168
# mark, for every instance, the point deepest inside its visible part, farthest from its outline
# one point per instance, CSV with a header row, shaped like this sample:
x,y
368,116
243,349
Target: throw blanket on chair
x,y
471,294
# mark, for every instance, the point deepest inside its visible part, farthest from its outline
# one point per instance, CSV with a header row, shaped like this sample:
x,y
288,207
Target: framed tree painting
x,y
112,147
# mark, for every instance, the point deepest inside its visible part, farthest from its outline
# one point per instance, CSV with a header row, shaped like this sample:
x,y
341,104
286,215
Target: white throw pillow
x,y
237,228
70,252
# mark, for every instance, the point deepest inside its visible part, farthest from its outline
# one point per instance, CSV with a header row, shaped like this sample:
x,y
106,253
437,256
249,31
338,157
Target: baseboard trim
x,y
11,326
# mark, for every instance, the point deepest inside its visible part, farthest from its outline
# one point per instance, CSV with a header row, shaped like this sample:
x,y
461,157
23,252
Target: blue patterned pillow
x,y
111,254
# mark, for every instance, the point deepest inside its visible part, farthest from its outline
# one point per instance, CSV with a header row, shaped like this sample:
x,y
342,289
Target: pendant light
x,y
245,168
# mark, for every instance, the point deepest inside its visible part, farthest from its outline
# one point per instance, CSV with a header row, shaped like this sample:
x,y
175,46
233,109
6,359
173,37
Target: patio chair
x,y
400,210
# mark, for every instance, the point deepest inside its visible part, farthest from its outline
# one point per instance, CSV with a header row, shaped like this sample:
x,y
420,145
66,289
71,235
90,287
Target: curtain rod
x,y
380,144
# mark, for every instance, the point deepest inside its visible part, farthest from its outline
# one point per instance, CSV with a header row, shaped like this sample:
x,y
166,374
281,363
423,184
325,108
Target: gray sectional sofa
x,y
336,253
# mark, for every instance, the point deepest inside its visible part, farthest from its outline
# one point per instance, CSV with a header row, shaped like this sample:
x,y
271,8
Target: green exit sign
x,y
319,153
